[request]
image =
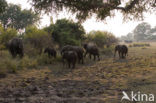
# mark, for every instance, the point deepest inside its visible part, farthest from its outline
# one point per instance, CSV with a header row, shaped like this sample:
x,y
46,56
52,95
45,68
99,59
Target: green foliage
x,y
132,9
67,32
3,5
14,17
49,29
8,65
7,35
38,38
108,51
44,59
102,38
27,62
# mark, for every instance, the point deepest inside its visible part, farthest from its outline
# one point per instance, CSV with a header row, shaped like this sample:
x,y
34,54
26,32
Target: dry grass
x,y
99,81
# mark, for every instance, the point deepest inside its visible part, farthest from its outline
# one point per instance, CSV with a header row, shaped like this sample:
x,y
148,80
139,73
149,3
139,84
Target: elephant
x,y
70,57
122,51
91,49
50,51
15,47
79,50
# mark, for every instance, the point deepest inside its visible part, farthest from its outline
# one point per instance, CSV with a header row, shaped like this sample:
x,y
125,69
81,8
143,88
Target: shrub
x,y
37,38
141,45
7,35
9,65
44,59
27,62
67,32
102,38
108,51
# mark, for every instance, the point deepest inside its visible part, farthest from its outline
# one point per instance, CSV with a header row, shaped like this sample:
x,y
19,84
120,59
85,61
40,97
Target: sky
x,y
114,25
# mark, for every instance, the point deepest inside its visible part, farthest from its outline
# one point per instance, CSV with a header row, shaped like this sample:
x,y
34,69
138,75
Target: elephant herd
x,y
70,54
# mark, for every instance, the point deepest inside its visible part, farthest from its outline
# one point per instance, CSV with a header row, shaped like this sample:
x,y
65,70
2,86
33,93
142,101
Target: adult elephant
x,y
70,57
77,49
15,47
122,51
91,49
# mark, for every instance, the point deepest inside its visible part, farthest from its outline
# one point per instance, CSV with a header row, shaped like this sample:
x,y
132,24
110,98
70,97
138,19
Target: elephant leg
x,y
69,64
90,56
63,62
85,54
13,54
98,57
122,55
119,54
73,65
79,59
82,60
94,57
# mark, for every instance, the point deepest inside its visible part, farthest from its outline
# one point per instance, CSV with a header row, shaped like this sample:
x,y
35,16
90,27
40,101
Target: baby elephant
x,y
70,57
51,52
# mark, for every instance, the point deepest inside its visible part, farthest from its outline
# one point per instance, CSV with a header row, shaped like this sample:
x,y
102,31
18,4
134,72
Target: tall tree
x,y
67,32
142,31
16,18
132,9
3,5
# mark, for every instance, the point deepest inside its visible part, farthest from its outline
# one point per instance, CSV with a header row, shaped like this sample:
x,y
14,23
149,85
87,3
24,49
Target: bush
x,y
8,65
27,62
67,32
102,38
141,45
38,38
7,35
108,51
44,59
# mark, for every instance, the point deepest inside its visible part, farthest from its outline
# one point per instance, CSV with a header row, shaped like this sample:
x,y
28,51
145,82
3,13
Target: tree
x,y
129,36
3,5
16,18
67,32
38,38
102,38
131,9
141,32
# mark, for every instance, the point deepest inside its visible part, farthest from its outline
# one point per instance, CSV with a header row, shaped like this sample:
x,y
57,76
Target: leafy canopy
x,y
132,9
16,18
3,5
102,38
67,32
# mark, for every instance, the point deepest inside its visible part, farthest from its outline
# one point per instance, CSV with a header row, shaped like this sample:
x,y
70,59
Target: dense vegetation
x,y
22,24
131,9
16,18
3,5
